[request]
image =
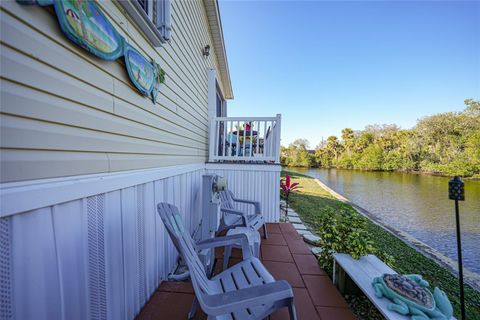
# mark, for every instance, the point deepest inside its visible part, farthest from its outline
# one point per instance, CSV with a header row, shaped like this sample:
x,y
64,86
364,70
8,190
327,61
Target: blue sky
x,y
329,65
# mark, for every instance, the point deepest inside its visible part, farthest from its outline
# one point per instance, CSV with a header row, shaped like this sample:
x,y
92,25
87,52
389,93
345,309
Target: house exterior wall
x,y
258,182
99,256
65,112
95,248
85,159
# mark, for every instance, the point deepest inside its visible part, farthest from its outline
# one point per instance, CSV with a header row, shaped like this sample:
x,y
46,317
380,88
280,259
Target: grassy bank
x,y
313,201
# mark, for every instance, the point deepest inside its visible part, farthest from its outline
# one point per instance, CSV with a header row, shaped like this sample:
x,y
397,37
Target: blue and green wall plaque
x,y
41,3
140,70
84,23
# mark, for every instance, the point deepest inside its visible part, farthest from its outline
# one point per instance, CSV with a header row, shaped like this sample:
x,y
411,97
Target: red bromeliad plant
x,y
287,188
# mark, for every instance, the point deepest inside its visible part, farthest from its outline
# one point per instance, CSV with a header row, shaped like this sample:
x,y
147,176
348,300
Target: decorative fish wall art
x,y
84,23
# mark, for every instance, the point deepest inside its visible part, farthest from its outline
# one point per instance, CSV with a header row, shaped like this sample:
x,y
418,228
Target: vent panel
x,y
6,310
141,269
97,294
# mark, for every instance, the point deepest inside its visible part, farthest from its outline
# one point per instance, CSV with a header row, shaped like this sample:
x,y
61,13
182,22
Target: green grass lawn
x,y
312,199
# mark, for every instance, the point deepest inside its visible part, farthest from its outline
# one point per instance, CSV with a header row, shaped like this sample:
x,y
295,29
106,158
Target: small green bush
x,y
345,231
371,159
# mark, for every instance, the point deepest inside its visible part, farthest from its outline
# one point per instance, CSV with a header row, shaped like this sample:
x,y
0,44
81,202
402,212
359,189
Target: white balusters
x,y
255,139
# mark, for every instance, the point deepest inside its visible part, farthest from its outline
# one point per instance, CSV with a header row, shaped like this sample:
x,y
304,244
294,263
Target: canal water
x,y
416,204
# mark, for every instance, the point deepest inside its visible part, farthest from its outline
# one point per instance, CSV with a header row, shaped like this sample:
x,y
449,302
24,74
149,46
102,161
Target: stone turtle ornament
x,y
410,297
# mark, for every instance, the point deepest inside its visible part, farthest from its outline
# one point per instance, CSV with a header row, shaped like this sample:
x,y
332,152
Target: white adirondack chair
x,y
232,217
245,291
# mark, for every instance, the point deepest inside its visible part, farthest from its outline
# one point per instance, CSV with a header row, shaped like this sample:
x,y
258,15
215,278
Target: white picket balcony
x,y
245,139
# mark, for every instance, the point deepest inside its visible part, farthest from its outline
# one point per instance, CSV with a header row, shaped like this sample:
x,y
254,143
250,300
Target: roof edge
x,y
215,24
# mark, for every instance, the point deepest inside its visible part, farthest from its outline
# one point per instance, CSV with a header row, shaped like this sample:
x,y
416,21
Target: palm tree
x,y
348,138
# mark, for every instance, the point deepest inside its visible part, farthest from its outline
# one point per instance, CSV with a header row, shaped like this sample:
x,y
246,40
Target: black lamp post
x,y
456,191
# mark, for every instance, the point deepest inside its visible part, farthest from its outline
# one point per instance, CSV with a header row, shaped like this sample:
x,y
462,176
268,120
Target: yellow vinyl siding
x,y
65,112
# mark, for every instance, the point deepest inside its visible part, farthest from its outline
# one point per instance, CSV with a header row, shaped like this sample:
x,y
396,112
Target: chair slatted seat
x,y
245,291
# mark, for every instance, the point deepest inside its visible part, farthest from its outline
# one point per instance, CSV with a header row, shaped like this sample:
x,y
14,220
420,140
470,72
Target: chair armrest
x,y
228,302
256,204
234,239
238,213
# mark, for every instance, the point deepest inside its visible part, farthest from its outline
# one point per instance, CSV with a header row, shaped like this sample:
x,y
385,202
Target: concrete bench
x,y
362,272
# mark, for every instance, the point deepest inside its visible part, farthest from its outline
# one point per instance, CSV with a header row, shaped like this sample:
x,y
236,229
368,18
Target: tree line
x,y
444,143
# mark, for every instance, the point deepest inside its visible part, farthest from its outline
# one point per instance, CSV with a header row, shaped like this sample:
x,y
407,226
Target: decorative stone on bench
x,y
361,273
410,296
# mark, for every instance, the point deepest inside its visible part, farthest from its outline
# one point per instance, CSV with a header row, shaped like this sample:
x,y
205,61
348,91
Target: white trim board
x,y
243,166
17,197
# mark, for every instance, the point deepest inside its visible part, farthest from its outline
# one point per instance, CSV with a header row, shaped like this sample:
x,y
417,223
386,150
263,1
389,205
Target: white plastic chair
x,y
245,291
232,218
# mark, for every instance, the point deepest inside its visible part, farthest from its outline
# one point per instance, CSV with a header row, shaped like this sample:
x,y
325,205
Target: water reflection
x,y
417,204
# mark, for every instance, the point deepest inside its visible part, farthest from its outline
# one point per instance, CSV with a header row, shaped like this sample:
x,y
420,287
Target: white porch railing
x,y
255,139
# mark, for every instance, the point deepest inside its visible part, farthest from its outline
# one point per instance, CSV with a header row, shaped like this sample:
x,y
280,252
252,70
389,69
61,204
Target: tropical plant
x,y
287,187
348,138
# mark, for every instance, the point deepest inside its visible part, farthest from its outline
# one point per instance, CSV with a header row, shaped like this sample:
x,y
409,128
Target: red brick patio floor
x,y
287,257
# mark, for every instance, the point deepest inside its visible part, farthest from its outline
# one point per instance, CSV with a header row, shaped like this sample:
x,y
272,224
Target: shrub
x,y
456,167
372,158
393,161
345,231
345,161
